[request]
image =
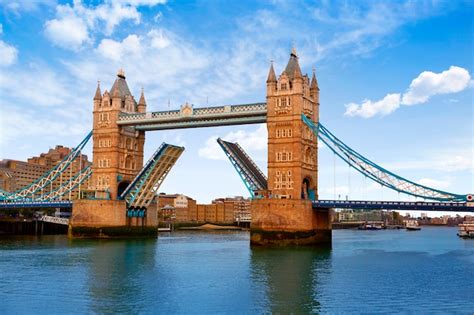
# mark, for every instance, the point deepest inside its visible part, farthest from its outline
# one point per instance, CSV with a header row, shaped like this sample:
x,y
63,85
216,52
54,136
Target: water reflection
x,y
118,272
290,277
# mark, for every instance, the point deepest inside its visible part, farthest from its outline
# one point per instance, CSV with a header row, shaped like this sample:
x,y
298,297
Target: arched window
x,y
128,162
308,155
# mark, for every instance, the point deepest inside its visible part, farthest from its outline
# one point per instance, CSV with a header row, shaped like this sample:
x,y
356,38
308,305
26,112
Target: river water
x,y
431,270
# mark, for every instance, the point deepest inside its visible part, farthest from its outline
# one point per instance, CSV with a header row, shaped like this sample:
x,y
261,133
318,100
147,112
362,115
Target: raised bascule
x,y
120,198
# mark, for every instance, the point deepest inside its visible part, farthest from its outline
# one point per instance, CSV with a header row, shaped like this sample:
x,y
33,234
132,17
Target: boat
x,y
466,229
412,225
371,227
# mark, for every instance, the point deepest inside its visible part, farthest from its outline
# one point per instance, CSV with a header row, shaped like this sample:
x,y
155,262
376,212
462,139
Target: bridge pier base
x,y
108,219
285,222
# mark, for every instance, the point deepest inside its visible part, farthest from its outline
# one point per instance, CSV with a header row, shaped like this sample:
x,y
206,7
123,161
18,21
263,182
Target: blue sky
x,y
395,78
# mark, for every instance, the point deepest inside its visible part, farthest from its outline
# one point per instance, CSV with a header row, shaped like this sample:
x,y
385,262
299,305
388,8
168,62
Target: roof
x,y
293,65
120,87
168,207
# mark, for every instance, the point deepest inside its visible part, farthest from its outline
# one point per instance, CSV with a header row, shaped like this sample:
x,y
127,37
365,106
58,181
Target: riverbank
x,y
208,227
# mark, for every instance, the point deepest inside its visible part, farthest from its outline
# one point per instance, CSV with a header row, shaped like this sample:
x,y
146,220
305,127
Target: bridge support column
x,y
289,222
107,219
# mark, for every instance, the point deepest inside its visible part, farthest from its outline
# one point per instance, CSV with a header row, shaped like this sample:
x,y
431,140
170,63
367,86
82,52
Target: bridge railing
x,y
55,220
197,113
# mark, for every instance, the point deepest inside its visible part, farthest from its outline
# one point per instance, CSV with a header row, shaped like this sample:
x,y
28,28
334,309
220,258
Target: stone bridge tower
x,y
117,151
285,215
292,146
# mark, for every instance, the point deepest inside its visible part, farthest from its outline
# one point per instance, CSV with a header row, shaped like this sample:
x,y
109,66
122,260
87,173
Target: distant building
x,y
221,210
184,206
15,175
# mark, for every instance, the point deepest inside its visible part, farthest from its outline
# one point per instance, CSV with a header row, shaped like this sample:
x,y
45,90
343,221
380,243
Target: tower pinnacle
x,y
121,73
98,94
314,81
293,67
271,74
142,99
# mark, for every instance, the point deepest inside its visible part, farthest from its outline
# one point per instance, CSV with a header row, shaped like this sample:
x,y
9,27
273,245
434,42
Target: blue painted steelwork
x,y
47,179
395,205
378,173
70,185
215,122
35,204
252,177
141,191
136,213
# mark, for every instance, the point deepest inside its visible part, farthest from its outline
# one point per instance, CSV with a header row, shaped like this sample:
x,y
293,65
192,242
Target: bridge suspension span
x,y
377,173
36,190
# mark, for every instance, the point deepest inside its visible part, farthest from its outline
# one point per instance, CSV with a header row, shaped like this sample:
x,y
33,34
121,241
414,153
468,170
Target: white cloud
x,y
434,183
36,85
114,50
360,29
68,32
368,109
212,150
143,57
454,160
456,163
252,142
111,14
158,39
137,3
16,6
8,54
74,25
428,83
20,123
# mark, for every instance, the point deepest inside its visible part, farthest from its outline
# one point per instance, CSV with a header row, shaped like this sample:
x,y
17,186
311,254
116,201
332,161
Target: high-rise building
x,y
15,175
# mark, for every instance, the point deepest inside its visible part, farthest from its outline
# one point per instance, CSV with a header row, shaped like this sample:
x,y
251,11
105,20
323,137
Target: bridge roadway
x,y
340,204
36,204
396,205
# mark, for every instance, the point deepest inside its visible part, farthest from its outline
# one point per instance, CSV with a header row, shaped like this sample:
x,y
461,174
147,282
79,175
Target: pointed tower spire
x,y
98,94
142,99
271,74
293,67
142,103
314,82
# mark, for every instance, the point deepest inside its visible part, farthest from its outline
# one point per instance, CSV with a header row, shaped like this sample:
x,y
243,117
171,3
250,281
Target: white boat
x,y
412,225
466,229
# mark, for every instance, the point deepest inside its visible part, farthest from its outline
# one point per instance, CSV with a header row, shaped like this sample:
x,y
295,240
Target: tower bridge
x,y
285,205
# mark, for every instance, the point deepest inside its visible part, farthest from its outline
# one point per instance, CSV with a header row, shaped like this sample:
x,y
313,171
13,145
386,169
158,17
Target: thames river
x,y
431,270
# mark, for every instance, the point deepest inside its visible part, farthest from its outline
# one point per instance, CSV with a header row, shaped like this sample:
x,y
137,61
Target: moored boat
x,y
466,229
412,225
